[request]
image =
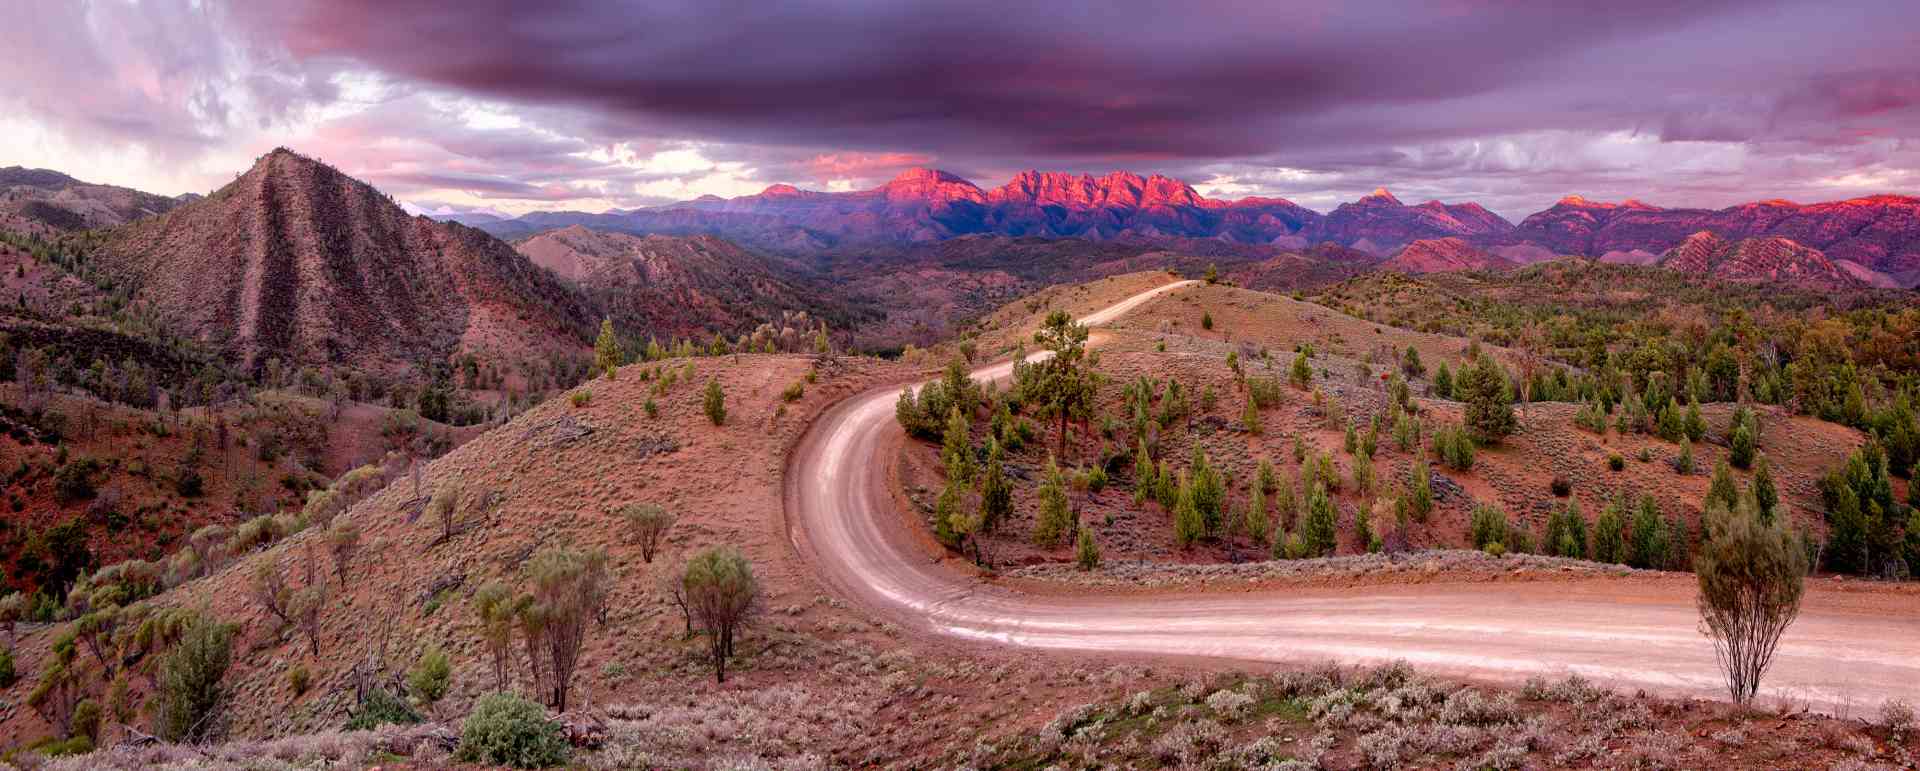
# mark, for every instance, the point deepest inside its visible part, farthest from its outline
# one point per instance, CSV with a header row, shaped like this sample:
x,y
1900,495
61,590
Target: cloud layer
x,y
595,105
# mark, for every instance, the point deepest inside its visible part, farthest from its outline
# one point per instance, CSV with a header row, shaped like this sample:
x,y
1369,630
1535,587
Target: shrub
x,y
430,676
1683,463
792,393
86,720
1086,552
581,398
381,708
1561,486
649,525
1488,526
1615,462
507,730
714,400
8,676
721,590
1420,492
299,679
190,683
1751,576
1455,447
1317,531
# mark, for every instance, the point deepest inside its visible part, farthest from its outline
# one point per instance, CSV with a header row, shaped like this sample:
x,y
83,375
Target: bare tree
x,y
1752,575
306,608
723,592
648,524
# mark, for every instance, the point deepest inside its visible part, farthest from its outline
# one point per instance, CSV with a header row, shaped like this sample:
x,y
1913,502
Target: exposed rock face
x,y
1438,255
1767,259
40,201
297,261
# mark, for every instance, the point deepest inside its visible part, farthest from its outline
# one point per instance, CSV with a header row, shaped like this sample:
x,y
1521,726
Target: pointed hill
x,y
298,261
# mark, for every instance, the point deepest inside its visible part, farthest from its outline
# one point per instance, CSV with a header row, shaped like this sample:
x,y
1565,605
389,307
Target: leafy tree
x,y
1489,400
1752,576
1055,518
723,593
606,351
715,402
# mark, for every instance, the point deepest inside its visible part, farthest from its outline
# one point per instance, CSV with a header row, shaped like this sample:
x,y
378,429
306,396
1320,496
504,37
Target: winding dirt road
x,y
1849,650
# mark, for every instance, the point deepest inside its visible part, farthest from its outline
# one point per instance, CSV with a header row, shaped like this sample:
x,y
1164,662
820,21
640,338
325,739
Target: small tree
x,y
190,686
1411,364
343,542
1087,552
715,402
269,589
506,730
723,593
569,590
494,611
996,495
1055,516
1062,385
444,509
1766,496
1257,523
1740,446
648,524
1489,399
1301,374
1189,526
1420,491
1752,576
1318,530
307,608
606,351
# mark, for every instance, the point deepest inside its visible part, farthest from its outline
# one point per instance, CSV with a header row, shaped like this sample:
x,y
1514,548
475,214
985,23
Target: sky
x,y
495,105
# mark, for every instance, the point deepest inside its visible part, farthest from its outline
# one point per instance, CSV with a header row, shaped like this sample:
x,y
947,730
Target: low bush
x,y
507,730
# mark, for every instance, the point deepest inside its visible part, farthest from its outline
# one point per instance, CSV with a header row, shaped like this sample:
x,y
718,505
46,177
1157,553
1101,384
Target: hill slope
x,y
296,260
42,201
1770,259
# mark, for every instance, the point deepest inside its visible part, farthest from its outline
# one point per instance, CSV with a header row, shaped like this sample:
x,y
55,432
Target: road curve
x,y
843,520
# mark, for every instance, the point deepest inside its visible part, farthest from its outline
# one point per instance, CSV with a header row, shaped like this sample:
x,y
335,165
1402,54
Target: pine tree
x,y
945,511
956,449
1411,364
1302,372
1443,382
1258,526
1489,411
1286,504
996,496
1609,534
1683,463
1317,531
1086,551
1420,493
715,402
1694,426
1264,476
1144,475
1055,517
1209,492
1649,544
1250,418
1766,497
606,351
1740,446
1188,524
1722,488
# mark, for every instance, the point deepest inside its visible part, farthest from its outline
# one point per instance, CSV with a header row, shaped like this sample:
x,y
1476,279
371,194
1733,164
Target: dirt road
x,y
1849,650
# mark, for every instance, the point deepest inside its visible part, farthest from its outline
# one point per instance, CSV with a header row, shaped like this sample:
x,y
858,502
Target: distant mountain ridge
x,y
1875,236
43,201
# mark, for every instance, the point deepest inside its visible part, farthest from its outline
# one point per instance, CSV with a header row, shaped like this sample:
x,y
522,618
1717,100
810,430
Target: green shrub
x,y
381,708
1488,526
7,674
507,730
1615,462
1454,446
430,676
581,398
1420,492
299,679
86,720
190,687
714,400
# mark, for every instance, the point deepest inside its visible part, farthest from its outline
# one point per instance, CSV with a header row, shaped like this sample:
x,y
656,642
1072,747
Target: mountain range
x,y
1875,238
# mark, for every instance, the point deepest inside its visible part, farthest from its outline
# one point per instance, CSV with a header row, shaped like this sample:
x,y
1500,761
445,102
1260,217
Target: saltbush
x,y
507,730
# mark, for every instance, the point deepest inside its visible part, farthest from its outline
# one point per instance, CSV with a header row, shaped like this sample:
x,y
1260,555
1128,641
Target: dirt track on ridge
x,y
1847,650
